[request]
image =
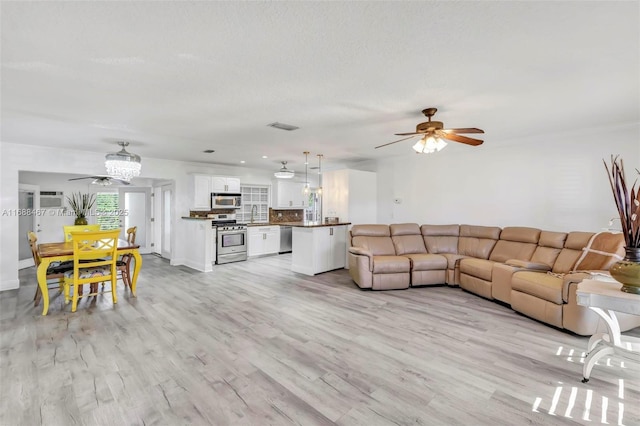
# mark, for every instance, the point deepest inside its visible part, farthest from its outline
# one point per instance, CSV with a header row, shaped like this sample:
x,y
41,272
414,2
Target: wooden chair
x,y
124,263
68,229
94,261
55,271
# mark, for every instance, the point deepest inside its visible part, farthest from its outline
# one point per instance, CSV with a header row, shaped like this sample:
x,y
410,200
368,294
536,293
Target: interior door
x,y
28,220
165,240
136,205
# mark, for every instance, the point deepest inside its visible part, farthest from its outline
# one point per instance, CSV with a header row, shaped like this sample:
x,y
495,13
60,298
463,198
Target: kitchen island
x,y
318,247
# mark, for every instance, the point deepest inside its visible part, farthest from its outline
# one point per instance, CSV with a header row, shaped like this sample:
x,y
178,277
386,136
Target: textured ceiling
x,y
176,78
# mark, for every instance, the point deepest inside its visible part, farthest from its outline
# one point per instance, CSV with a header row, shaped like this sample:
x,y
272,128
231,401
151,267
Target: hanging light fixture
x,y
306,189
429,144
284,173
122,164
320,173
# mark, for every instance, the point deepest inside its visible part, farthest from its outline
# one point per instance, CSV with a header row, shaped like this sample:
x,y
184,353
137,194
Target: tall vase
x,y
627,271
80,221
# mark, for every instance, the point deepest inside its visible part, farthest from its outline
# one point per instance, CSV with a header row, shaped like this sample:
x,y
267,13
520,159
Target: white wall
x,y
553,182
15,158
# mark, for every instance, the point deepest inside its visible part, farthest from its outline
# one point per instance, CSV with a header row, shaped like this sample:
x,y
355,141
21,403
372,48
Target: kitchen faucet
x,y
254,210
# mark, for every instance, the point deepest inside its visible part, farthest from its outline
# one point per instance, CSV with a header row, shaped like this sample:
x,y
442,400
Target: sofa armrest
x,y
572,278
358,251
533,266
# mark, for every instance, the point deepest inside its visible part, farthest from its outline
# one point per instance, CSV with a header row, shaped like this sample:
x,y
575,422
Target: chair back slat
x,y
68,229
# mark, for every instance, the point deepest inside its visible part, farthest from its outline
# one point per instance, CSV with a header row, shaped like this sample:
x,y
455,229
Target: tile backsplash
x,y
281,215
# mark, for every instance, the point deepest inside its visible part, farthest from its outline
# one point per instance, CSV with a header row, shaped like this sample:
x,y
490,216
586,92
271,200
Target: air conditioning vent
x,y
283,126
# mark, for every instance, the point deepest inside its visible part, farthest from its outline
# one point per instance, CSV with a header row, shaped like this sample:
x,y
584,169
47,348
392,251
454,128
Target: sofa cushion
x,y
479,268
552,239
515,243
441,238
390,264
477,241
407,238
427,262
543,286
571,251
602,251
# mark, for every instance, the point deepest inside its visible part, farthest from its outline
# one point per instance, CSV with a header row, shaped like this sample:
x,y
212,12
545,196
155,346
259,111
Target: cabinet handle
x,y
290,203
330,231
264,236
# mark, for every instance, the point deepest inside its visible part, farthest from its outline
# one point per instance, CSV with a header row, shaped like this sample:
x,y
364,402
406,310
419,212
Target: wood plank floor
x,y
252,343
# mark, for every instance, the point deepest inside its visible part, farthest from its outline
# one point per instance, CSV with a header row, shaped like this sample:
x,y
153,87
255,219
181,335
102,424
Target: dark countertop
x,y
318,224
197,218
274,224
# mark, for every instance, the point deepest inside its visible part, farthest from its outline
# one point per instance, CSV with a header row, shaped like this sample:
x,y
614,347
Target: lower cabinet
x,y
263,240
318,249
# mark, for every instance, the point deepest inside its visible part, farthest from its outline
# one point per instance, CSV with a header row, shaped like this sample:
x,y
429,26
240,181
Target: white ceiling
x,y
176,78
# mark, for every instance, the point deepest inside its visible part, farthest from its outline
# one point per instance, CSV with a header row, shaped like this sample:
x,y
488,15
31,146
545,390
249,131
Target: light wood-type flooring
x,y
252,343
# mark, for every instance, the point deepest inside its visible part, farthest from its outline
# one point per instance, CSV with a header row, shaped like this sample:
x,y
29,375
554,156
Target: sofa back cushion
x,y
374,238
407,239
441,238
477,241
515,243
571,251
602,251
549,246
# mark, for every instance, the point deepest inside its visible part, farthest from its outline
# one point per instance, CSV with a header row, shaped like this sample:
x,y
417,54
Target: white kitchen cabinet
x,y
225,184
318,249
201,192
263,240
289,194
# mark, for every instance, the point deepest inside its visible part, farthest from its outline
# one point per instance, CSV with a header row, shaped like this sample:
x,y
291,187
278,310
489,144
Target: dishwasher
x,y
285,239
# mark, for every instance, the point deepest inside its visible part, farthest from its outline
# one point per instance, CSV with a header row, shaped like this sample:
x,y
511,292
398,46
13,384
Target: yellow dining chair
x,y
55,271
68,229
94,261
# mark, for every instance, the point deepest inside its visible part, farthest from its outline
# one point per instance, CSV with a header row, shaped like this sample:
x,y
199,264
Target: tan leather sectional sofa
x,y
536,272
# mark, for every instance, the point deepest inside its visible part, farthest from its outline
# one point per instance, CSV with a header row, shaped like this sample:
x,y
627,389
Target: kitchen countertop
x,y
299,224
197,218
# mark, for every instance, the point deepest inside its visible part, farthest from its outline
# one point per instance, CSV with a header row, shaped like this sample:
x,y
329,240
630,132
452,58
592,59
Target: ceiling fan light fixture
x,y
101,182
122,164
284,173
429,144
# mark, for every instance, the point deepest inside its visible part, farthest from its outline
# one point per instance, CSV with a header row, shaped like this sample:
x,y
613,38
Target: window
x,y
107,210
254,195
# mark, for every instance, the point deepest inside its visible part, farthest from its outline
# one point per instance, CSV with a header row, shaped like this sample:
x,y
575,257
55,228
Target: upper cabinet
x,y
290,195
201,192
225,184
203,185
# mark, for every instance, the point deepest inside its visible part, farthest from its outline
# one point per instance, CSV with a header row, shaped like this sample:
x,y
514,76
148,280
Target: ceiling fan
x,y
103,180
433,133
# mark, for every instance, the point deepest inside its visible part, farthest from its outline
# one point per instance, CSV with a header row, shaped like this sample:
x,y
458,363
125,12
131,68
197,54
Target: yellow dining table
x,y
52,252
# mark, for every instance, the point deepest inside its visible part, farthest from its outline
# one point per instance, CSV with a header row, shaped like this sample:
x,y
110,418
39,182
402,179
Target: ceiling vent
x,y
283,126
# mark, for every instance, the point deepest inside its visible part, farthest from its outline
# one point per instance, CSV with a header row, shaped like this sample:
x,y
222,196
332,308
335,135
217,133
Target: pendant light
x,y
306,189
320,174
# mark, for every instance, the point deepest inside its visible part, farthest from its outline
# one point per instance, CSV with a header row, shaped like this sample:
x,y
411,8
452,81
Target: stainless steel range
x,y
231,239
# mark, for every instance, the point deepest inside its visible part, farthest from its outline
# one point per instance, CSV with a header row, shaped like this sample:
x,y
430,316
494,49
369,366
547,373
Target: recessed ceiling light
x,y
209,151
264,156
242,161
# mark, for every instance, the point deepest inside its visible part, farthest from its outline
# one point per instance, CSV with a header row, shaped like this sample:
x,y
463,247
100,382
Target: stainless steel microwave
x,y
225,200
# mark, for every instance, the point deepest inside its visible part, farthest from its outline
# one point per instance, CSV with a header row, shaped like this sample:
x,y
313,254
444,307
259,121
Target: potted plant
x,y
80,204
626,271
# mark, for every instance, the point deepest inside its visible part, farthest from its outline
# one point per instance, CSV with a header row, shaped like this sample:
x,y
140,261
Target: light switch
x,y
397,200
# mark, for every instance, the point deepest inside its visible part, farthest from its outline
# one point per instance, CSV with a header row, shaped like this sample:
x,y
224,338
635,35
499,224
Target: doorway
x,y
162,199
136,211
28,220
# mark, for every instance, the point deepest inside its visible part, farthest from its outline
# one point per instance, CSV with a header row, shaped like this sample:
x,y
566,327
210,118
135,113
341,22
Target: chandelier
x,y
284,173
122,164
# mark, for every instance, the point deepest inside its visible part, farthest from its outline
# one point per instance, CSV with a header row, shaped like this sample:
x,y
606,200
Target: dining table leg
x,y
136,270
42,283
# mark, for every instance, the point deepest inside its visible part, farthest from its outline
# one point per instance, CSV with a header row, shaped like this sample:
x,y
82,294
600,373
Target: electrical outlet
x,y
296,214
279,214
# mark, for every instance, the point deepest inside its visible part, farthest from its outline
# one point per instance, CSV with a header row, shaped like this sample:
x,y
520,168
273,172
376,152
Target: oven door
x,y
232,242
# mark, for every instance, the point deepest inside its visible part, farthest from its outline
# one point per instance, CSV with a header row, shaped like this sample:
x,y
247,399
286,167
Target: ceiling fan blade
x,y
399,140
412,133
123,182
460,138
464,130
86,177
